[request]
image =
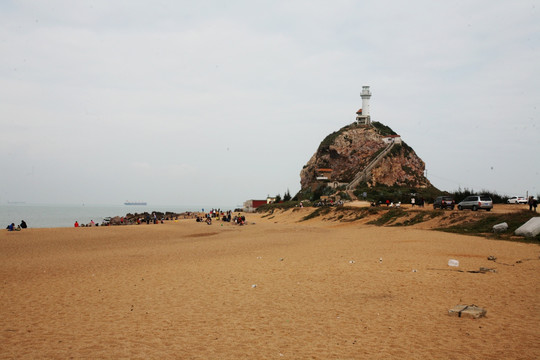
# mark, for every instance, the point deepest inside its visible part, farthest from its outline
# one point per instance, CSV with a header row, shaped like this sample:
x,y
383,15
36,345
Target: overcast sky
x,y
214,102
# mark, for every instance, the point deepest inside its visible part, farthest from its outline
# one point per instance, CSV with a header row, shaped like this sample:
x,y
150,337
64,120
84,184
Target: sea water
x,y
49,216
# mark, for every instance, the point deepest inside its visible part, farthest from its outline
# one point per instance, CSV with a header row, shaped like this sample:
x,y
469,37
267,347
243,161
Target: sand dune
x,y
273,289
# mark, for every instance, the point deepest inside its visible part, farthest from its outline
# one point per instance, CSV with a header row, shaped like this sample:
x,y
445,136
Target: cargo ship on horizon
x,y
140,203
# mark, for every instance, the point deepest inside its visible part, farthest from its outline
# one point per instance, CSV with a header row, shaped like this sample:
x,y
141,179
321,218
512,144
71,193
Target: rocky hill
x,y
368,155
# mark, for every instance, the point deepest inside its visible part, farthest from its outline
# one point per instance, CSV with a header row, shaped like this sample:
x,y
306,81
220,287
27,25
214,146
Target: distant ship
x,y
140,203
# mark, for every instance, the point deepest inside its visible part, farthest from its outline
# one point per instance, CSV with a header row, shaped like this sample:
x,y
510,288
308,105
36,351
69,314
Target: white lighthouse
x,y
363,117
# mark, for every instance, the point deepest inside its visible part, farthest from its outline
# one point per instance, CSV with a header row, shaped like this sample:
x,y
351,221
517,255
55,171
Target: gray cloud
x,y
196,103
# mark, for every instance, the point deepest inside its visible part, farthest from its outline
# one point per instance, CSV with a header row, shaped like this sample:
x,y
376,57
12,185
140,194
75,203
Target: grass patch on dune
x,y
420,217
484,226
318,212
417,219
389,216
461,222
354,214
268,214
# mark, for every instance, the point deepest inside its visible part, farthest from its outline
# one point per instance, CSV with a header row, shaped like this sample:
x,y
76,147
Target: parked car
x,y
444,202
516,200
475,202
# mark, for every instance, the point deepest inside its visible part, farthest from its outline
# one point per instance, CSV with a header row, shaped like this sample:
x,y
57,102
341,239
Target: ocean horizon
x,y
65,215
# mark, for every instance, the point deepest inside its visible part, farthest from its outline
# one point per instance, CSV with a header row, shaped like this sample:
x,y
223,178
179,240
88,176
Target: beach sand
x,y
275,288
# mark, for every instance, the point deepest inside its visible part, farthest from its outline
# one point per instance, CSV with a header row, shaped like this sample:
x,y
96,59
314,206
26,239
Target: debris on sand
x,y
470,311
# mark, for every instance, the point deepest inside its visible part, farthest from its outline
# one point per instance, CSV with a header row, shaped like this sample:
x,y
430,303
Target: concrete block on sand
x,y
530,229
502,227
470,311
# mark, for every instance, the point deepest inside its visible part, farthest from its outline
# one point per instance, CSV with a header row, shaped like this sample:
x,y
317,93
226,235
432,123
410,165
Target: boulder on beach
x,y
499,228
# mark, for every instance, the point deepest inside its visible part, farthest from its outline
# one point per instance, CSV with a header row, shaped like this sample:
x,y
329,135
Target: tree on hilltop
x,y
287,196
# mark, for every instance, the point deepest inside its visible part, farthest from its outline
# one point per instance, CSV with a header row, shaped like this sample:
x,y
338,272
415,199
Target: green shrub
x,y
383,129
282,206
460,194
344,195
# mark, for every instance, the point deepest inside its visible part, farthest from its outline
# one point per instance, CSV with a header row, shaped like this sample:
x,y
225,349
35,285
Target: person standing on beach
x,y
412,202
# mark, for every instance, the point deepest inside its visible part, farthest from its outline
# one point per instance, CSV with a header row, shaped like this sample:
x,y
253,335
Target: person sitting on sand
x,y
240,220
10,227
209,220
23,224
76,224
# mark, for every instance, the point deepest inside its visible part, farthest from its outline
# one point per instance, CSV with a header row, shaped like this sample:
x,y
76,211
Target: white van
x,y
475,202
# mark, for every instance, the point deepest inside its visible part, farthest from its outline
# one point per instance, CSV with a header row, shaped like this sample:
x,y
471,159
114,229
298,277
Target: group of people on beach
x,y
90,224
130,219
154,218
223,216
11,227
388,203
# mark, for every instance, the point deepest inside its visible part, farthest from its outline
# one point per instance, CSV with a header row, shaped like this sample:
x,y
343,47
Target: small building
x,y
392,139
324,174
252,205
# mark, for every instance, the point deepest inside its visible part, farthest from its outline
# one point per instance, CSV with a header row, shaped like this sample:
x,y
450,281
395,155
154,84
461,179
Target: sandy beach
x,y
274,289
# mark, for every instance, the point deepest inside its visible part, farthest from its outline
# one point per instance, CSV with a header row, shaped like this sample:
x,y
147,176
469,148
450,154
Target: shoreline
x,y
51,216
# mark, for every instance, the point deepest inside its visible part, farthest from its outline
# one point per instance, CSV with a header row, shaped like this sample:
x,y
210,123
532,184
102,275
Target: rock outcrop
x,y
344,154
